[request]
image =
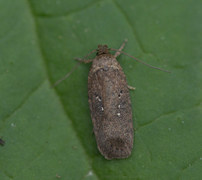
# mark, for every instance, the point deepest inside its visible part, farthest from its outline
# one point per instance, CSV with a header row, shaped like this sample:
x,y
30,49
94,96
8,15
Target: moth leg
x,y
120,49
131,87
84,60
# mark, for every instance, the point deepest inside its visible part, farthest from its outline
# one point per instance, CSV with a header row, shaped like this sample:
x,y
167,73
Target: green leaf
x,y
48,131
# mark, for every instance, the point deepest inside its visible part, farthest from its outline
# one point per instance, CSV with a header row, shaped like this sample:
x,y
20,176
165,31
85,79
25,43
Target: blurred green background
x,y
48,131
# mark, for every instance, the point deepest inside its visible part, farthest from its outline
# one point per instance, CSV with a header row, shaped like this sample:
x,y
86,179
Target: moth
x,y
110,103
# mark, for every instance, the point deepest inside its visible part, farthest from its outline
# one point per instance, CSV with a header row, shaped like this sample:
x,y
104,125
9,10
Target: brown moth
x,y
110,105
109,101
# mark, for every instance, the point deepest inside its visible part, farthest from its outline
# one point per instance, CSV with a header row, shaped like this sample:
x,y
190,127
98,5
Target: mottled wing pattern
x,y
111,112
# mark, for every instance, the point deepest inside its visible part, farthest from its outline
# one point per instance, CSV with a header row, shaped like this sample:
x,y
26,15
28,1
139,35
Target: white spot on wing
x,y
98,98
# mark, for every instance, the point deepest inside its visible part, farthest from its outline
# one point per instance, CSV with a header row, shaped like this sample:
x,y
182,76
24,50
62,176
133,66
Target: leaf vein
x,y
48,76
189,165
130,25
24,100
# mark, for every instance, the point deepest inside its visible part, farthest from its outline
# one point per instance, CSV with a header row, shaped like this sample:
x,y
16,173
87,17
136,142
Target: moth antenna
x,y
140,60
73,69
67,75
90,53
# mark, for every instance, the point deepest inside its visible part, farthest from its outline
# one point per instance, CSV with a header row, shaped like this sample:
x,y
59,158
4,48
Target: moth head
x,y
102,49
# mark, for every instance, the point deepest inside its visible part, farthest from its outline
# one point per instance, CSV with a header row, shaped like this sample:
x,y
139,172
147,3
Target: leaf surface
x,y
48,131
